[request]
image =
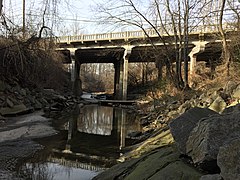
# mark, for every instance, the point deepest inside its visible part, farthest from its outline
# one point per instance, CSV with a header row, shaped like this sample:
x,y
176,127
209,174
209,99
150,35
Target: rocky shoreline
x,y
193,138
26,115
201,141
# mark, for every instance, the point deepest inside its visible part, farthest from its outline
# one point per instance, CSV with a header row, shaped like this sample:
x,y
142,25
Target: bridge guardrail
x,y
141,34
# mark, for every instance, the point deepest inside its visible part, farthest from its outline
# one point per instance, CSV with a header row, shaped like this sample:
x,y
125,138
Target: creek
x,y
90,141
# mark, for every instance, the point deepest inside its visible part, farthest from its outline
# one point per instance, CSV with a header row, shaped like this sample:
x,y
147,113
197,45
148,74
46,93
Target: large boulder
x,y
236,92
231,108
211,177
184,124
218,105
210,134
228,159
2,86
163,163
14,110
229,87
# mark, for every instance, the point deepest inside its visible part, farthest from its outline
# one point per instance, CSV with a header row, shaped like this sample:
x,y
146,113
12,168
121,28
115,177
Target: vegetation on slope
x,y
32,63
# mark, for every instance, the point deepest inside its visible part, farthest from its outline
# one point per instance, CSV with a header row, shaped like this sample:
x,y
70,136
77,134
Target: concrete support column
x,y
116,80
121,75
119,127
123,129
75,75
126,56
159,66
199,47
193,63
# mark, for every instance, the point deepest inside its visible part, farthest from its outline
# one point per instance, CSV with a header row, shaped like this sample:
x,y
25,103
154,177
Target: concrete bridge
x,y
121,48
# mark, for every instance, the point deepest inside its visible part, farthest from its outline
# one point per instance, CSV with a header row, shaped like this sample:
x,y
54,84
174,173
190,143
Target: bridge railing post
x,y
109,37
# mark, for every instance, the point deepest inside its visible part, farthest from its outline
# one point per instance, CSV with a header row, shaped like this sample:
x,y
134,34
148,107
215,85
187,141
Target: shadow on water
x,y
88,143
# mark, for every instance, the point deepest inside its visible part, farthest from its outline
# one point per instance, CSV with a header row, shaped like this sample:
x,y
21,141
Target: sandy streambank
x,y
27,126
16,140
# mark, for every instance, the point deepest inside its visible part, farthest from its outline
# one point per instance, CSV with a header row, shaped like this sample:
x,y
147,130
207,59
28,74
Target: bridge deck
x,y
139,34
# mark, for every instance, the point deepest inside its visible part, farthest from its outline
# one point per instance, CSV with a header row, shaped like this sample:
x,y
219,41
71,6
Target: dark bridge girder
x,y
99,55
112,55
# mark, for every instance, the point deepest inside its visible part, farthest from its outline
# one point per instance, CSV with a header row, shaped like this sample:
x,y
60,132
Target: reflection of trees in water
x,y
99,120
96,120
132,123
43,171
36,171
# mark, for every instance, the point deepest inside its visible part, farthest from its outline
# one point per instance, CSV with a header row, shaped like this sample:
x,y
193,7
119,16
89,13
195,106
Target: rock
x,y
14,101
218,105
209,135
44,102
173,114
183,125
163,163
175,170
9,103
2,86
236,92
231,108
31,99
229,87
2,119
23,92
59,98
228,159
135,134
48,91
184,107
37,105
211,177
16,109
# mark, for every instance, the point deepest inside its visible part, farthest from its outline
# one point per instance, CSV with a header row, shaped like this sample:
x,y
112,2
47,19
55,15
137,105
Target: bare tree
x,y
164,17
225,53
1,5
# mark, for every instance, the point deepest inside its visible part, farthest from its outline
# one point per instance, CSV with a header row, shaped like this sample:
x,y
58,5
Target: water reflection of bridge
x,y
76,164
95,136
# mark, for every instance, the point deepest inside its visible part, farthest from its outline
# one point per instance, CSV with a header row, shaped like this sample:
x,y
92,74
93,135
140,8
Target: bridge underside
x,y
112,55
211,53
138,54
121,56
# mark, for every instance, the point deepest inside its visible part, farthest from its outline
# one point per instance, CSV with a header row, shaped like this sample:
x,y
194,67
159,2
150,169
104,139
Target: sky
x,y
75,16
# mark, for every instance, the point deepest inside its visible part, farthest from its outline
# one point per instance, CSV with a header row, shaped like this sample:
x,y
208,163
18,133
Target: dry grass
x,y
206,83
201,82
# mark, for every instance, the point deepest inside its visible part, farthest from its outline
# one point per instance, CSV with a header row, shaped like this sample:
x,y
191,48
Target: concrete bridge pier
x,y
116,80
159,66
75,75
119,127
199,47
121,75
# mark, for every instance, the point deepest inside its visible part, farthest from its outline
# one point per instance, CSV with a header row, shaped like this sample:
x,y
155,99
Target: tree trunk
x,y
1,5
185,53
225,52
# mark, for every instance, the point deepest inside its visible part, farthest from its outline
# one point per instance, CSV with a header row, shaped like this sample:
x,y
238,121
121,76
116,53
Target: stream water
x,y
90,141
